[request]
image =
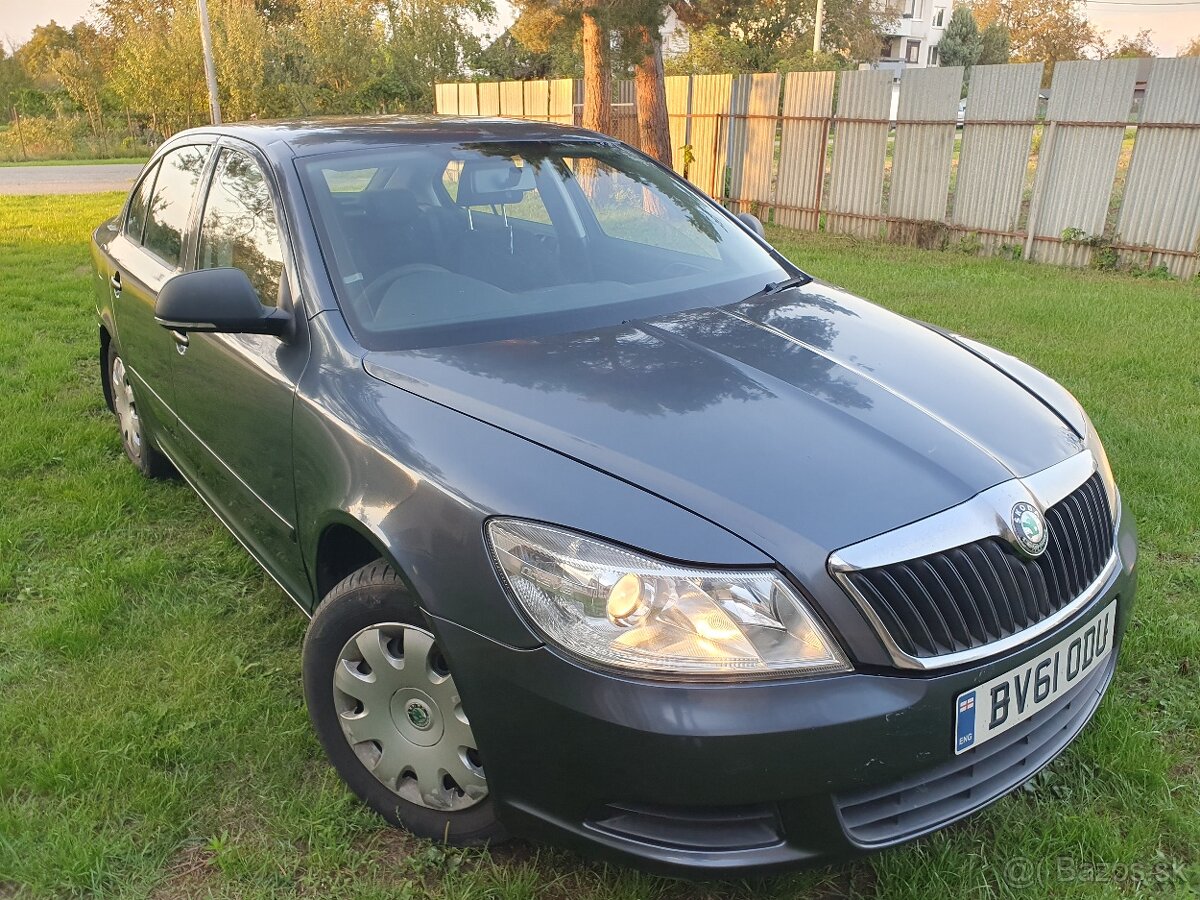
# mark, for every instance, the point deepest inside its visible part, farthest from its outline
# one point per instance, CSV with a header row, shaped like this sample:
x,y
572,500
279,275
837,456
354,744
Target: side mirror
x,y
221,300
752,222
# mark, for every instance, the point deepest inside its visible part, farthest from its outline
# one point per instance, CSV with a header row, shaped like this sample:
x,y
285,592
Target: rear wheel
x,y
385,707
141,452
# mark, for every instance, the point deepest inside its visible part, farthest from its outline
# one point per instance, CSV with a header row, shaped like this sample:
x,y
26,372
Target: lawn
x,y
153,740
106,161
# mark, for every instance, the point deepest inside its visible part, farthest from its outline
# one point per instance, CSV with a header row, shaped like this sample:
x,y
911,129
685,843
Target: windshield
x,y
433,245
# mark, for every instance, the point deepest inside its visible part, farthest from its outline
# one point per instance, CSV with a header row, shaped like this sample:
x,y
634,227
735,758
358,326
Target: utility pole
x,y
816,29
210,70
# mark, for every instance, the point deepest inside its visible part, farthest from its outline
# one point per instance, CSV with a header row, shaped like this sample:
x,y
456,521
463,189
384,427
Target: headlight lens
x,y
1106,472
618,608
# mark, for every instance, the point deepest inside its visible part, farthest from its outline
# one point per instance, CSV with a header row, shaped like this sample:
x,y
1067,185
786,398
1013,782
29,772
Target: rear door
x,y
148,251
233,392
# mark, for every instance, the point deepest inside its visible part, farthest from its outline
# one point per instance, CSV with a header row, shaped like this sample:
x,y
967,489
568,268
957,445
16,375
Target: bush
x,y
68,137
39,137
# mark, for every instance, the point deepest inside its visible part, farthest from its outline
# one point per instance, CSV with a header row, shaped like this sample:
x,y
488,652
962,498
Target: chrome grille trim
x,y
984,517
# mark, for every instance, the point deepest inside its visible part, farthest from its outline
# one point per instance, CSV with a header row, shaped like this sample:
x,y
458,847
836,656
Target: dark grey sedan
x,y
616,529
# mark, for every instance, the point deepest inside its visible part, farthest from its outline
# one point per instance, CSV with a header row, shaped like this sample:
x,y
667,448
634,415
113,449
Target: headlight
x,y
1106,472
618,608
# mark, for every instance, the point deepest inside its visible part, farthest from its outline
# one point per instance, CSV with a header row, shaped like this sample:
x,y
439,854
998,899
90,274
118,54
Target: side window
x,y
239,228
450,177
353,181
174,190
135,219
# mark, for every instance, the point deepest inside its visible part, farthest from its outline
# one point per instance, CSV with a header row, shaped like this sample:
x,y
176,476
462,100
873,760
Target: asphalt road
x,y
67,179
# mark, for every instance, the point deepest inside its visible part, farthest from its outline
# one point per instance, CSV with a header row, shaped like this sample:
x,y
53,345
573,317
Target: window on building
x,y
939,16
912,53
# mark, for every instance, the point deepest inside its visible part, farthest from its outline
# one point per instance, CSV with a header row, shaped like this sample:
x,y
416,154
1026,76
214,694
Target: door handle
x,y
115,281
181,341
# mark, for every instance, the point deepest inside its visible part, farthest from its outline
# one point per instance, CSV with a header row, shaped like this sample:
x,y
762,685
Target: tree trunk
x,y
597,77
654,128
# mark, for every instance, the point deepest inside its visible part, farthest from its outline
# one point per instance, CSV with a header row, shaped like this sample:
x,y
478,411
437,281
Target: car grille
x,y
981,592
934,798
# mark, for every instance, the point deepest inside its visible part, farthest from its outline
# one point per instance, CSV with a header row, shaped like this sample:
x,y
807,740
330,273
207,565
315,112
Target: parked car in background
x,y
616,528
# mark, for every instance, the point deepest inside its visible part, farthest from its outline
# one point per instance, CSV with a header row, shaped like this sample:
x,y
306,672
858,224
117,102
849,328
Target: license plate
x,y
992,708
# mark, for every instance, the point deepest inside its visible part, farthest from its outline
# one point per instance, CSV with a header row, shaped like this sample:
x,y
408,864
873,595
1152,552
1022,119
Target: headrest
x,y
487,182
392,203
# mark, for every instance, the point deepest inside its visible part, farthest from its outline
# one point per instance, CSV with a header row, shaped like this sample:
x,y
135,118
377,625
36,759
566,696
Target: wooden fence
x,y
1097,163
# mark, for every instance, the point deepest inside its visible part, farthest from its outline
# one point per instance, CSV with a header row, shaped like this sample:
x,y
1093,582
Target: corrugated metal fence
x,y
1112,165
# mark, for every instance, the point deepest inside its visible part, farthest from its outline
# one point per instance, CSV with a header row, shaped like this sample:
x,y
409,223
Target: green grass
x,y
117,160
152,735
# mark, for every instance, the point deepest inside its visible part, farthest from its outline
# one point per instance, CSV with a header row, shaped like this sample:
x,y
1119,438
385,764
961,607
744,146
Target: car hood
x,y
803,421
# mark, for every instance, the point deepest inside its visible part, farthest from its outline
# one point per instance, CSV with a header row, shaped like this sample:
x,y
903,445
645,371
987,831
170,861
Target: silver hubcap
x,y
127,416
401,714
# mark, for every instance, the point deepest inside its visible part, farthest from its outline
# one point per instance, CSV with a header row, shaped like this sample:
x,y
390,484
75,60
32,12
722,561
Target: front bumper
x,y
722,780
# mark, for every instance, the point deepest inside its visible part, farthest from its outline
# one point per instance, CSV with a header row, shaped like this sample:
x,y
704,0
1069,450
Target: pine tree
x,y
962,44
996,46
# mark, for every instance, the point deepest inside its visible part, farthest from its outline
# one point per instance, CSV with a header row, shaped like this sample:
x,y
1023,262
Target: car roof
x,y
307,137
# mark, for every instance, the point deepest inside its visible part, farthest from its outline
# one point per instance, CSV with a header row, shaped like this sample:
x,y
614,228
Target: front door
x,y
147,252
233,393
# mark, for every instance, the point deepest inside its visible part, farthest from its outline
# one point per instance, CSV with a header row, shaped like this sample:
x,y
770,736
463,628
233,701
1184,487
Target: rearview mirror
x,y
752,222
220,300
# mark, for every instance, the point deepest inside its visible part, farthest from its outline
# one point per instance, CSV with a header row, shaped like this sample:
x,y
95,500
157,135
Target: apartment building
x,y
911,37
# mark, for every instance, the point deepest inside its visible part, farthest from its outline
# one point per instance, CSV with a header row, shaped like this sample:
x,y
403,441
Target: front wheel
x,y
386,709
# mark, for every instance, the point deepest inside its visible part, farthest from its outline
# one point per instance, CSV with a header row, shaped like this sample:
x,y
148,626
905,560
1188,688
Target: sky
x,y
1172,25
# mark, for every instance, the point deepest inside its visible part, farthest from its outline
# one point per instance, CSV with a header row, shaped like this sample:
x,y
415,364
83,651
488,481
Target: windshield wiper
x,y
774,287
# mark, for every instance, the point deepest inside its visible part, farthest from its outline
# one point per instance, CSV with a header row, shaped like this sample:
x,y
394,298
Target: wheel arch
x,y
105,381
344,545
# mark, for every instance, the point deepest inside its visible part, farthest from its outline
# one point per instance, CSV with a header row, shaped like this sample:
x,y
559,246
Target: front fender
x,y
423,479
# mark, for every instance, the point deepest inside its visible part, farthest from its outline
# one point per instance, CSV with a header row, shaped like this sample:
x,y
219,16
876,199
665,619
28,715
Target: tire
x,y
138,447
368,723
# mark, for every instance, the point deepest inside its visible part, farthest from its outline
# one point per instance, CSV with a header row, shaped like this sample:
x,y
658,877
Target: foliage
x,y
712,51
776,35
728,37
961,43
1042,30
509,58
996,46
549,31
1192,48
37,54
273,57
428,41
970,243
335,50
155,63
543,42
69,136
1138,46
42,137
30,101
808,61
13,80
1106,257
